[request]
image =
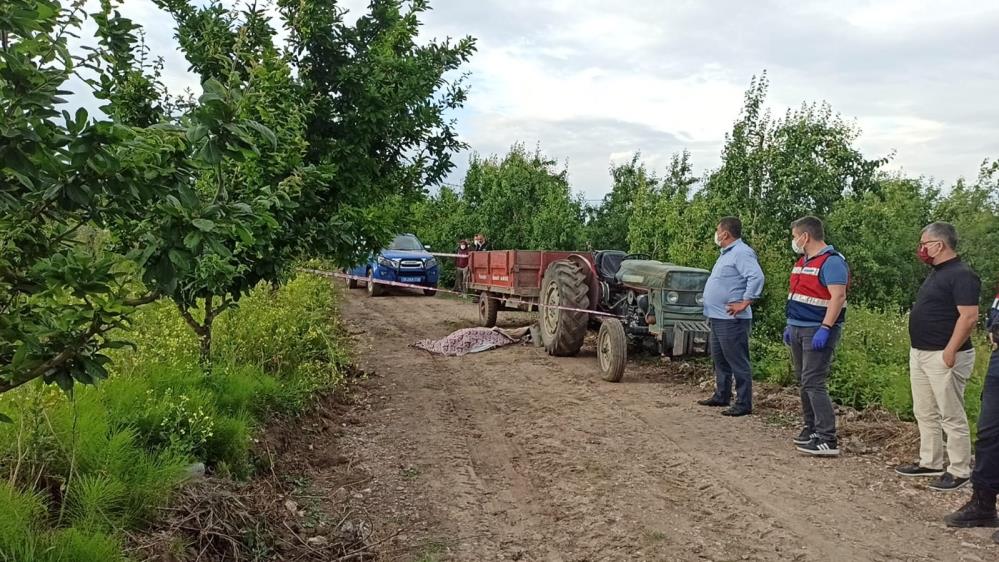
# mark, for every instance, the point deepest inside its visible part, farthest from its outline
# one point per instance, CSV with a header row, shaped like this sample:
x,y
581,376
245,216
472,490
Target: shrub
x,y
119,450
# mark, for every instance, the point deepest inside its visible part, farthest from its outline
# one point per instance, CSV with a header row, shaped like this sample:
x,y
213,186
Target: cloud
x,y
591,81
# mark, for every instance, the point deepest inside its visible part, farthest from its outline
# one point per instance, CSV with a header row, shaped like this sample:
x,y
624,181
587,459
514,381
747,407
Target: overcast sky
x,y
594,81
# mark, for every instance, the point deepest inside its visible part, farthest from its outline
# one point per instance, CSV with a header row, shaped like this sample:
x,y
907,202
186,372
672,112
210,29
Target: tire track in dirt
x,y
525,457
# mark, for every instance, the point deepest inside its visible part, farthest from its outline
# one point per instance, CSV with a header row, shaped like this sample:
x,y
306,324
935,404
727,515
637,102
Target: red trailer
x,y
510,278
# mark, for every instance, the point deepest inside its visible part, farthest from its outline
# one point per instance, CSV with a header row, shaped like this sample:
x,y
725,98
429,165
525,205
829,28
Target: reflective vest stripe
x,y
813,271
797,297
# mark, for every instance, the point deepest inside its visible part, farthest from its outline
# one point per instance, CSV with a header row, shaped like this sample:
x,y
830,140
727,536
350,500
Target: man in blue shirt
x,y
736,281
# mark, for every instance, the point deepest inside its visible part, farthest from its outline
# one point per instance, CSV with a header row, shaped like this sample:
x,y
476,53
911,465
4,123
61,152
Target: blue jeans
x,y
730,354
986,472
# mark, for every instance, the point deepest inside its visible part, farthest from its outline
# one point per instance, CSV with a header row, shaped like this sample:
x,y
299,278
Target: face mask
x,y
923,253
796,248
717,241
463,246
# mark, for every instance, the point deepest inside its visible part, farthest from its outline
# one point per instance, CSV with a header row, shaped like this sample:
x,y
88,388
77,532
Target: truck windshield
x,y
405,242
686,281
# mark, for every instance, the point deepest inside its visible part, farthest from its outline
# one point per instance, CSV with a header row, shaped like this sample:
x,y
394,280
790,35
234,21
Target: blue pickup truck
x,y
405,260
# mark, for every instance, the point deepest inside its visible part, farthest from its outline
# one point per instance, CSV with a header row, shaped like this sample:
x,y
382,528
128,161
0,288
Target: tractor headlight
x,y
385,262
699,299
672,297
432,262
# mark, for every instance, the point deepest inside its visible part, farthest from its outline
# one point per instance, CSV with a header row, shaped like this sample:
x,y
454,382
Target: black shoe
x,y
948,483
820,447
916,470
805,437
980,511
712,402
736,411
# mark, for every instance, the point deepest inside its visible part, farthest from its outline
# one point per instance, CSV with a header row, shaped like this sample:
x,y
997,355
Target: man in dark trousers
x,y
736,281
941,359
816,310
981,510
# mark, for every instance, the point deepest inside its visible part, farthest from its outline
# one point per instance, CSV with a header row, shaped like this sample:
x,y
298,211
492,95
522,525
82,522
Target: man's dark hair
x,y
731,225
812,225
943,231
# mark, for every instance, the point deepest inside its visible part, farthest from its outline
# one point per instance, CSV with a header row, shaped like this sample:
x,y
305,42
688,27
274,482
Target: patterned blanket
x,y
474,340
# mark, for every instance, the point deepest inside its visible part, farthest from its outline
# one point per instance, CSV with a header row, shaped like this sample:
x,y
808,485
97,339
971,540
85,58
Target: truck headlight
x,y
432,262
672,297
388,263
699,299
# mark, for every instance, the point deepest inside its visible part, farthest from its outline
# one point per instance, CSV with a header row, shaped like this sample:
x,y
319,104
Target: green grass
x,y
75,473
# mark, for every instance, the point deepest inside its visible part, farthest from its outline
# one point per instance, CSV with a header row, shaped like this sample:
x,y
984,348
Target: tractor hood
x,y
661,275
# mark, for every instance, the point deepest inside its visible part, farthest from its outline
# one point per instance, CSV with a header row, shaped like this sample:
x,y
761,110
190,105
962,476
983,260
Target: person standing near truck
x,y
480,244
461,267
736,281
816,310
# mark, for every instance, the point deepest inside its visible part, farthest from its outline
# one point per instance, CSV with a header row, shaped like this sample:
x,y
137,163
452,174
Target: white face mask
x,y
796,248
717,241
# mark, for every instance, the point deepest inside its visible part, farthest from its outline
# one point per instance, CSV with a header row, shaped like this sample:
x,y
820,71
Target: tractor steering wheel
x,y
636,257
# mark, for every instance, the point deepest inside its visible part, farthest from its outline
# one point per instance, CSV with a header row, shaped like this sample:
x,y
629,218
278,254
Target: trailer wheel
x,y
562,331
374,289
430,292
612,350
488,307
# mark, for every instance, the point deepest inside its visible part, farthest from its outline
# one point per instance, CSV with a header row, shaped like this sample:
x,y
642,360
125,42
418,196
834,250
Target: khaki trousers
x,y
938,403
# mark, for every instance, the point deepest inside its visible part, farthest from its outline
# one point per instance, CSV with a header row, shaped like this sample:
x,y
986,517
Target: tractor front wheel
x,y
612,350
564,286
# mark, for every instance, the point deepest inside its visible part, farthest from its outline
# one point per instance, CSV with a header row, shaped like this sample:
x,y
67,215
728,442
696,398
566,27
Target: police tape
x,y
341,275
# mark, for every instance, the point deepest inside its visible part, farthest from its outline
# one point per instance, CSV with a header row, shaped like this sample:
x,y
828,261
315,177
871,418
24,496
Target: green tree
x,y
523,201
878,232
607,223
974,212
64,180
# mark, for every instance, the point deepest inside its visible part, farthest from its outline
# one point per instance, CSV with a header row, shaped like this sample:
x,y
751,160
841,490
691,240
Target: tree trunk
x,y
204,329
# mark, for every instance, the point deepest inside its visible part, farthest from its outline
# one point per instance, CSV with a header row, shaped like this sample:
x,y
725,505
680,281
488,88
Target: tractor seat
x,y
608,263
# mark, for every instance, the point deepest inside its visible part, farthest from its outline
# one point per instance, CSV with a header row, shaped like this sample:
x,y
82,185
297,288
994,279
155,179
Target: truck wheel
x,y
612,350
562,331
488,307
351,283
430,292
374,289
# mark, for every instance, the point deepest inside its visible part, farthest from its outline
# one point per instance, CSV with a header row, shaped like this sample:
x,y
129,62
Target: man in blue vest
x,y
736,281
816,309
980,511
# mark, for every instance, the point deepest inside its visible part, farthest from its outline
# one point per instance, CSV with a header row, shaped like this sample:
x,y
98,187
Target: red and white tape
x,y
340,275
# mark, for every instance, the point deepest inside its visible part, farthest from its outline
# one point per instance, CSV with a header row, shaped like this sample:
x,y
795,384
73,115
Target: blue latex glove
x,y
787,336
820,339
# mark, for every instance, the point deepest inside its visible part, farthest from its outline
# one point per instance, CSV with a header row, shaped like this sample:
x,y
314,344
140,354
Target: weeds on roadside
x,y
76,472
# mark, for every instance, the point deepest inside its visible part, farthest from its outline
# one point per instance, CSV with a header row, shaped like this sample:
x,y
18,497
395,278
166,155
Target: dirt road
x,y
514,455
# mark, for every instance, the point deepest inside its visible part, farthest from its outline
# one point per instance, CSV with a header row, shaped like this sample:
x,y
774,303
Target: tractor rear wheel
x,y
564,285
488,308
612,350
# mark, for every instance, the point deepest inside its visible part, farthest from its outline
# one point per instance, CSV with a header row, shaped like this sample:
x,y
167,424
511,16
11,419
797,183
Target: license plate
x,y
411,279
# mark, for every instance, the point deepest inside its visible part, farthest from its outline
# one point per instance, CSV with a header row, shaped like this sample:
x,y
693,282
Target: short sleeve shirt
x,y
951,284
